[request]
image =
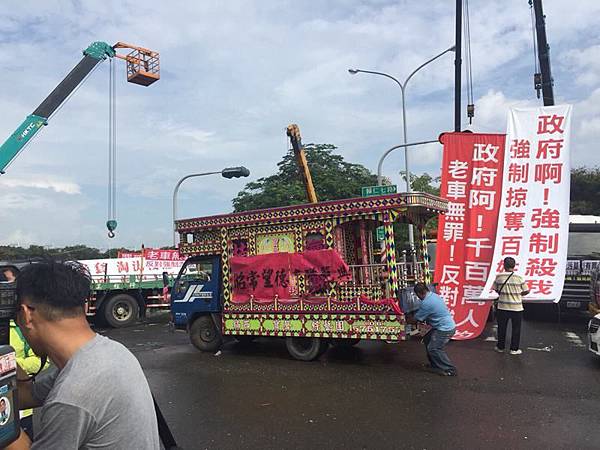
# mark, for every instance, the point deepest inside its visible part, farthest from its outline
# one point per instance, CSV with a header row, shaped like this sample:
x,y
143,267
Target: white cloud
x,y
234,74
42,182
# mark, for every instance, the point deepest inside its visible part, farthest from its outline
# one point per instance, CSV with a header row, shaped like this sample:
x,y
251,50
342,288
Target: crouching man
x,y
97,395
434,312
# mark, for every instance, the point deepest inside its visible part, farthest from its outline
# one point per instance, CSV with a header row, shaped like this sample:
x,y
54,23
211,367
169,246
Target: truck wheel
x,y
305,349
121,310
350,342
204,335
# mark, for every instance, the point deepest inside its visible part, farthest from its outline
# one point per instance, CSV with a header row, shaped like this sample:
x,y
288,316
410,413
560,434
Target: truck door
x,y
196,289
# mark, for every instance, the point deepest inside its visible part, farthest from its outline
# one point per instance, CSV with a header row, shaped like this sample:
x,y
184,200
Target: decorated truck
x,y
313,274
123,289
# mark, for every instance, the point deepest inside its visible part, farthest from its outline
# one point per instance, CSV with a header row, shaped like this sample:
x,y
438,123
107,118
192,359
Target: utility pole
x,y
457,66
543,49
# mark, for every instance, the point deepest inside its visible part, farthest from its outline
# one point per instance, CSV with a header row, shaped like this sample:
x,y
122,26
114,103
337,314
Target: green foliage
x,y
585,191
425,183
333,179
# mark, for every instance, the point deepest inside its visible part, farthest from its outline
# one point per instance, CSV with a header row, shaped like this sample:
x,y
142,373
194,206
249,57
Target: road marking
x,y
543,349
574,339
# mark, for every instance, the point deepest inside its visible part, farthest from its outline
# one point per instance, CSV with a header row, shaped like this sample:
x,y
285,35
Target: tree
x,y
425,183
333,177
585,191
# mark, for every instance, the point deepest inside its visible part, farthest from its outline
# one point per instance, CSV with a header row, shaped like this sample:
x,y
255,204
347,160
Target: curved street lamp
x,y
228,172
411,237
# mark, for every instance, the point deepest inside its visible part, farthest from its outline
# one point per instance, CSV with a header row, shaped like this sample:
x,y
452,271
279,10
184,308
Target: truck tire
x,y
305,349
204,335
121,310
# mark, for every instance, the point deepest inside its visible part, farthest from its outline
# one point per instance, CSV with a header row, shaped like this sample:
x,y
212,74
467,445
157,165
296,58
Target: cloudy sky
x,y
234,74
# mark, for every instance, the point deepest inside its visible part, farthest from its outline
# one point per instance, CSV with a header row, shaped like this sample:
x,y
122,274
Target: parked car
x,y
594,334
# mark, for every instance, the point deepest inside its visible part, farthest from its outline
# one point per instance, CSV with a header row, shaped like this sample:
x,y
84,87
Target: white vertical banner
x,y
533,222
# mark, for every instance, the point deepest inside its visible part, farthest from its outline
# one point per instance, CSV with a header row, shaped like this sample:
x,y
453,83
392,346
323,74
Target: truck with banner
x,y
123,289
308,273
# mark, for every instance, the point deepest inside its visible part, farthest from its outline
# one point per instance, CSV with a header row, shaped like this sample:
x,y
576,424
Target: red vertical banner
x,y
472,168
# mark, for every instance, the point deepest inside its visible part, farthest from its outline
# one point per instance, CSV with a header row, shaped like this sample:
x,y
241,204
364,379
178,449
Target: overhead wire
x,y
468,61
534,38
112,150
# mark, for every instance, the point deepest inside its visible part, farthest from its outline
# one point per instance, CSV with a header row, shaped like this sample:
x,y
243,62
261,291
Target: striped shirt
x,y
510,297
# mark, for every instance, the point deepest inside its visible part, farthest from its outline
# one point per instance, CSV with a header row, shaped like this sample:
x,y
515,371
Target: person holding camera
x,y
96,396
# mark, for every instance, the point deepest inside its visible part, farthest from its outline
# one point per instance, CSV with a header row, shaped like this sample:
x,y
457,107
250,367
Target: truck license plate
x,y
573,304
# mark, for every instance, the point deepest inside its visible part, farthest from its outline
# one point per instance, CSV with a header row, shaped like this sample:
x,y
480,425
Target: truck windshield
x,y
193,271
584,244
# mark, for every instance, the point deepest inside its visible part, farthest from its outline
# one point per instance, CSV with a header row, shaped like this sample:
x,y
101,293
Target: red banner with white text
x,y
472,169
274,275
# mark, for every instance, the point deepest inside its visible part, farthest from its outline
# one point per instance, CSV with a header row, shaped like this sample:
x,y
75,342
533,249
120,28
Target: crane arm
x,y
96,52
543,50
294,134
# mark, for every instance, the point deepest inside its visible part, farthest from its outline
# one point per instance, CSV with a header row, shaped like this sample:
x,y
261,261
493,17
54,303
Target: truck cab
x,y
196,292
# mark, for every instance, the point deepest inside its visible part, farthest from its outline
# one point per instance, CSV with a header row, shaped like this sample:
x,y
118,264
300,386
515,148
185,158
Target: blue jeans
x,y
434,342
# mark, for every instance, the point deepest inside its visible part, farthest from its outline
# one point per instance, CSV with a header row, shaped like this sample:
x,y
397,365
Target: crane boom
x,y
96,52
294,134
142,68
543,49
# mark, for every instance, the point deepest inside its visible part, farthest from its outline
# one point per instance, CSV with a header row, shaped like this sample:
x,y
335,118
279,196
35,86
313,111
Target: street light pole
x,y
229,172
390,150
411,237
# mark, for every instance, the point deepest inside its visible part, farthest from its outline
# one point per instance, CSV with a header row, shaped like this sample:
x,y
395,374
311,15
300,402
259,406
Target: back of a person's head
x,y
421,289
509,263
58,289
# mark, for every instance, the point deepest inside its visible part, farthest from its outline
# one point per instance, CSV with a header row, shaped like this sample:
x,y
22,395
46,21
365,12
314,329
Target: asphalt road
x,y
376,396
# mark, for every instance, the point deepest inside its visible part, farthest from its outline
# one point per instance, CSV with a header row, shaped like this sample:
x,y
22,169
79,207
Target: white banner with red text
x,y
533,224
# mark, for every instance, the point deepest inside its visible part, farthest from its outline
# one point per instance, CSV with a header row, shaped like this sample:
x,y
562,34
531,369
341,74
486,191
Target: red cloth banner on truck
x,y
263,277
533,224
472,182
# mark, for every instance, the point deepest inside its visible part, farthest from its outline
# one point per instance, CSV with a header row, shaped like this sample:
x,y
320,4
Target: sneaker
x,y
450,373
499,350
516,352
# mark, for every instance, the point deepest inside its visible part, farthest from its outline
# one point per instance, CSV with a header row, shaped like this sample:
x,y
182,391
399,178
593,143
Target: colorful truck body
x,y
313,274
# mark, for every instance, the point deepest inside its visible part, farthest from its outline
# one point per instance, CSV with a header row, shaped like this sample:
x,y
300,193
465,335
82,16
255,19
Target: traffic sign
x,y
380,233
372,191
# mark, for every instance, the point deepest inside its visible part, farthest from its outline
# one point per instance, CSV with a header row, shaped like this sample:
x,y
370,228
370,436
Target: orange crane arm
x,y
294,134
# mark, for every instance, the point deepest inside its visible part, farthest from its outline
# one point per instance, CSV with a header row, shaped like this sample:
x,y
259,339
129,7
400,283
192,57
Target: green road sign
x,y
372,191
380,233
